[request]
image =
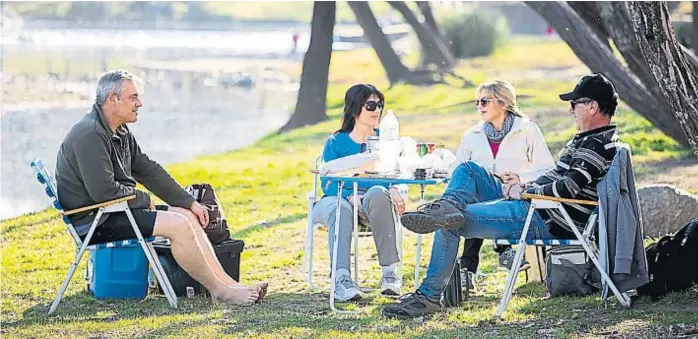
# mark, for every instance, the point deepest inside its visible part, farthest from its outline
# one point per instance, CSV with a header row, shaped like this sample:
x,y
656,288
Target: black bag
x,y
228,254
672,262
570,272
454,295
217,228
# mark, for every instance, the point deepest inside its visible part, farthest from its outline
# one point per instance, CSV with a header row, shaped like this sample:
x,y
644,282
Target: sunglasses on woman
x,y
482,102
373,105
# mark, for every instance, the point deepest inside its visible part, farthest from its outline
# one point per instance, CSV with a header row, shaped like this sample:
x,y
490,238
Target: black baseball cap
x,y
593,86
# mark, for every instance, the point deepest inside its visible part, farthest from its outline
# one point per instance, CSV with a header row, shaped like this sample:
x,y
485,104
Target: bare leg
x,y
210,255
193,252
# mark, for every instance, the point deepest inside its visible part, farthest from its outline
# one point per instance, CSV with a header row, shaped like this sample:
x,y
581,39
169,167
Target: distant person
x,y
296,37
99,160
363,108
507,144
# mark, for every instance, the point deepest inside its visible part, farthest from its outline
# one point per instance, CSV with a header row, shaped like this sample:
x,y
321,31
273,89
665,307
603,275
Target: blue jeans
x,y
477,193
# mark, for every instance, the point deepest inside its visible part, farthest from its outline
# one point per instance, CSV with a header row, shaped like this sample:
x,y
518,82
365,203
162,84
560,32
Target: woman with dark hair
x,y
363,108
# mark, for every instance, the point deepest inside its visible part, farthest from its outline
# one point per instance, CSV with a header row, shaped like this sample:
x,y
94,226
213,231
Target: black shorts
x,y
118,227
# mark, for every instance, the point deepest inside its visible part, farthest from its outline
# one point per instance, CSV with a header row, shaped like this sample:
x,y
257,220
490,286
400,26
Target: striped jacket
x,y
581,164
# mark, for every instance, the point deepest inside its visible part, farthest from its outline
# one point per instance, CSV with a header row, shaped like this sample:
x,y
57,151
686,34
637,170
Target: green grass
x,y
263,191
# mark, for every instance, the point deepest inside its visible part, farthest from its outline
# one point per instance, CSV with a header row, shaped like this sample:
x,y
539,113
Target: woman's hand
x,y
398,201
509,177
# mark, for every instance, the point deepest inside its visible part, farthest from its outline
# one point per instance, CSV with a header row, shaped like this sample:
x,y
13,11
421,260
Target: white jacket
x,y
522,151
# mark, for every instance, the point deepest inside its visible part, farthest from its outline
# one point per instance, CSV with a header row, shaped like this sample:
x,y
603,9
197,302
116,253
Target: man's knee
x,y
174,226
466,168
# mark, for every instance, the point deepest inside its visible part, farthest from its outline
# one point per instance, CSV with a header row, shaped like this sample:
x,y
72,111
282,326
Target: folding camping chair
x,y
116,205
308,252
585,239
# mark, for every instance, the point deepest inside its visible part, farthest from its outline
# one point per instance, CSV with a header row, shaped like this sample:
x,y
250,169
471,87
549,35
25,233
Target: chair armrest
x,y
101,204
549,198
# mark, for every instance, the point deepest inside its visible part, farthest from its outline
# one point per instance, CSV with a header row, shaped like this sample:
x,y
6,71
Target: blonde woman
x,y
509,145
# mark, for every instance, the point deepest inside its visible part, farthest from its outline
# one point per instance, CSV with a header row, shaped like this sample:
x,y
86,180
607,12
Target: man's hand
x,y
509,177
200,212
513,190
398,201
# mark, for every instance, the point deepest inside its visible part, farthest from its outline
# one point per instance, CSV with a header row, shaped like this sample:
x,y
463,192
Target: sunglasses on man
x,y
373,105
574,103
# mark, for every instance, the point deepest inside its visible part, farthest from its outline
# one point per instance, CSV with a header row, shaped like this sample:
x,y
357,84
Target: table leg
x,y
419,243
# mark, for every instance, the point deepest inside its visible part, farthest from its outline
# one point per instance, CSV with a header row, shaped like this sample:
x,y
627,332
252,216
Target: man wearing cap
x,y
477,205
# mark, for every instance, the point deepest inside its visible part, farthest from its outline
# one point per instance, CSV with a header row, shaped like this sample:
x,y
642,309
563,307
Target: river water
x,y
182,115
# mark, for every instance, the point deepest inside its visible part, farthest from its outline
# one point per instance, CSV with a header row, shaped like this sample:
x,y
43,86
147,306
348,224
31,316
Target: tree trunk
x,y
675,77
392,64
425,8
312,95
694,36
589,12
434,50
592,52
616,18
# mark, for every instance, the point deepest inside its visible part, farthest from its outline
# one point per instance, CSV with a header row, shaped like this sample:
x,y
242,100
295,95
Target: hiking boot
x,y
506,259
466,280
412,305
391,284
346,289
432,216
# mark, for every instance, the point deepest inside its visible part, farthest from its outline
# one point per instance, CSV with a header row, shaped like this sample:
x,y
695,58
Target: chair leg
x,y
161,277
154,262
308,254
76,262
356,234
623,298
514,270
511,280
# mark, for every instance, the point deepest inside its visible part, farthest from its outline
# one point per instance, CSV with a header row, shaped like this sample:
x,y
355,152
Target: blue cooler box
x,y
118,273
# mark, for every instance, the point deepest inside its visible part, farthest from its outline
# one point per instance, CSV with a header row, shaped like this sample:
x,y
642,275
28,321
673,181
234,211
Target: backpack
x,y
217,228
672,262
570,272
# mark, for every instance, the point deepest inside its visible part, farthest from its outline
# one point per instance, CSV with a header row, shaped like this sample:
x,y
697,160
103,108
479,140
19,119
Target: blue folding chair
x,y
116,205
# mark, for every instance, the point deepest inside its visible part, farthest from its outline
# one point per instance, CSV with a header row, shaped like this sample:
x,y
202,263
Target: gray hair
x,y
112,81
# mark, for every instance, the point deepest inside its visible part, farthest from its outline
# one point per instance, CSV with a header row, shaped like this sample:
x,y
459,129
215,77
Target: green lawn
x,y
263,190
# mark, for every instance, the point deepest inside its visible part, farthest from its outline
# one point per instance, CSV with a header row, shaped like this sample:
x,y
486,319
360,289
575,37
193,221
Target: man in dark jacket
x,y
477,205
99,160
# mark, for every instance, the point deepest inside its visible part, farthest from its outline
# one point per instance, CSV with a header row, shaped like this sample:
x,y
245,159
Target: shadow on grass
x,y
241,234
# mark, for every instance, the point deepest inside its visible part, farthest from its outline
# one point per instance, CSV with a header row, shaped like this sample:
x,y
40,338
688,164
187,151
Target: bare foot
x,y
262,289
239,295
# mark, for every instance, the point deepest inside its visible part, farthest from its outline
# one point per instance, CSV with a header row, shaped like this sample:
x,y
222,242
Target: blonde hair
x,y
504,92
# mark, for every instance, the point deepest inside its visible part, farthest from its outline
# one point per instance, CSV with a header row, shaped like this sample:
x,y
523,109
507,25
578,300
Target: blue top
x,y
337,146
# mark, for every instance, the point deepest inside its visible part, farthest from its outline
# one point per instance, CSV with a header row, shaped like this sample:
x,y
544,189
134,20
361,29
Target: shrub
x,y
474,34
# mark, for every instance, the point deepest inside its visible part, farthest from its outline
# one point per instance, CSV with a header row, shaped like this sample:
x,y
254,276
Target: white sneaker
x,y
346,290
391,284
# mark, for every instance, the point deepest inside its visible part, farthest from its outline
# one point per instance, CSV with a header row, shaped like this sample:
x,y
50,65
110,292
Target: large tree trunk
x,y
312,95
434,50
694,17
425,8
594,53
590,14
666,61
392,64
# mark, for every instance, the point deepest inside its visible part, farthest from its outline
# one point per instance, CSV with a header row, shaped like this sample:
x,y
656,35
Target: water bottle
x,y
389,141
